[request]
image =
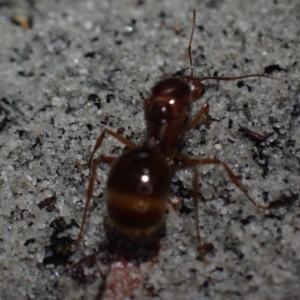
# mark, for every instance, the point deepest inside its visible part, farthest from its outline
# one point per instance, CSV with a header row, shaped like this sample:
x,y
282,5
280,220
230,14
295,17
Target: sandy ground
x,y
118,50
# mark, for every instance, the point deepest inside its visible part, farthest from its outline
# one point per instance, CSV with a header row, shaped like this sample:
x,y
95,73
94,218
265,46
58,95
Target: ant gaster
x,y
138,186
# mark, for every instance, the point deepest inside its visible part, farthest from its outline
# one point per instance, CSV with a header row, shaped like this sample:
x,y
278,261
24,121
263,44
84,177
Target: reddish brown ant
x,y
138,186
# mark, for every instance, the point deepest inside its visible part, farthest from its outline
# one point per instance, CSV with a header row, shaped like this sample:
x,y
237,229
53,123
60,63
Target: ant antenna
x,y
190,44
236,78
213,77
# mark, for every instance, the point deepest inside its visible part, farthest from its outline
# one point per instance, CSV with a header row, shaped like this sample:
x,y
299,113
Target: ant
x,y
138,186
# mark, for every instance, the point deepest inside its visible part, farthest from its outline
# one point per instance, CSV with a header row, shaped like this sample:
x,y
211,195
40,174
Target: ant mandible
x,y
138,186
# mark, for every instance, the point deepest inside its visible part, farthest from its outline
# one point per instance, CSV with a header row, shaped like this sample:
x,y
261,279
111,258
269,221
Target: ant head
x,y
171,87
196,86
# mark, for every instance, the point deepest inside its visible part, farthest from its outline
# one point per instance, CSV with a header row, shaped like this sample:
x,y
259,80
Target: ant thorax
x,y
167,113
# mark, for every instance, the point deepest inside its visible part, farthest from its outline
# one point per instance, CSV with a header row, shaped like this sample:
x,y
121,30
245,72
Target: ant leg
x,y
192,162
90,190
100,139
204,111
201,246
